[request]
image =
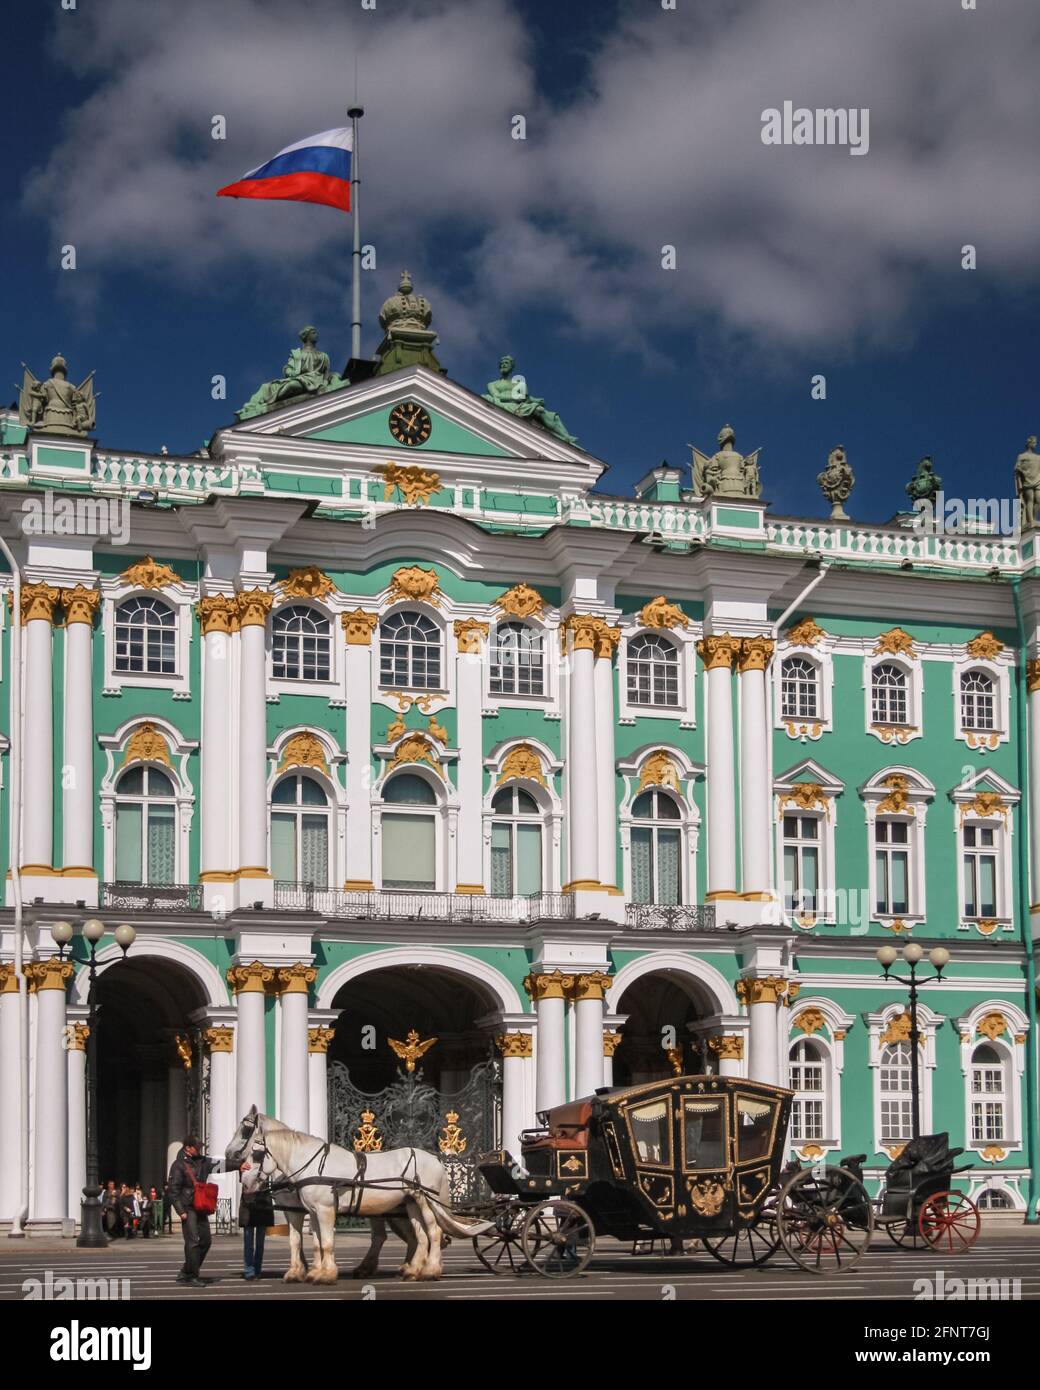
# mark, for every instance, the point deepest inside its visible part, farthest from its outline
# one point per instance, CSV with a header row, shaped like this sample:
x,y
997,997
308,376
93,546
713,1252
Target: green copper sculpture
x,y
510,392
726,473
56,405
836,482
307,373
924,485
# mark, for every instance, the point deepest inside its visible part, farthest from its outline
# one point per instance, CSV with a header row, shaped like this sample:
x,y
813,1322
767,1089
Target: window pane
x,y
283,847
314,850
754,1127
128,843
881,872
529,859
641,892
703,1138
900,885
988,885
651,1130
501,861
668,867
409,852
161,858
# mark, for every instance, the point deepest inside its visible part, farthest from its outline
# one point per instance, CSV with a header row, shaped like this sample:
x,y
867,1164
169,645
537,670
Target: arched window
x,y
994,1199
653,671
989,1121
892,847
799,689
146,637
889,702
978,701
656,849
516,844
801,863
894,1086
409,834
517,663
808,1081
301,645
410,652
146,821
300,831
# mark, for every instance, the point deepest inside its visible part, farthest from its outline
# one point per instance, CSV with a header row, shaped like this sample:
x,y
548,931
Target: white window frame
x,y
912,669
831,1041
328,777
689,823
684,640
808,770
547,799
547,630
1013,1054
333,690
329,811
919,792
180,597
999,673
115,747
428,701
927,1023
444,813
820,656
965,813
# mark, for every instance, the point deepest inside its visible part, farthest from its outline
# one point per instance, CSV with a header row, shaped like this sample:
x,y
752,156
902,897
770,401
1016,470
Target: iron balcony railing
x,y
399,905
152,897
691,917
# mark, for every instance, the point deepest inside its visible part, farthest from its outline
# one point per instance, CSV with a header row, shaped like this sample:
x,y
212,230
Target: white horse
x,y
318,1179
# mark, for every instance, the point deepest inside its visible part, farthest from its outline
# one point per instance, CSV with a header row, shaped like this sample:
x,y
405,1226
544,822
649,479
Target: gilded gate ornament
x,y
147,745
521,601
451,1139
522,763
308,582
304,750
182,1046
367,1139
147,574
660,613
411,1049
414,583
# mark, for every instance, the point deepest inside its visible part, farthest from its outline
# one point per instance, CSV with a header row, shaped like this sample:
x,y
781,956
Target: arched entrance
x,y
151,1067
660,1037
411,1065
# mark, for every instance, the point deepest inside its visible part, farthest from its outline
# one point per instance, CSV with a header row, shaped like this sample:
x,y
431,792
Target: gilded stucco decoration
x,y
419,585
805,796
895,642
148,574
660,613
992,1026
522,763
416,485
805,633
307,582
985,647
660,770
415,748
147,745
521,601
810,1021
304,750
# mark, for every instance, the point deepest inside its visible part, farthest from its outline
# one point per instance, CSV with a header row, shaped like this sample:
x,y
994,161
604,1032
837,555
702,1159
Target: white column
x,y
729,1049
1033,685
762,996
10,1093
516,1050
218,616
606,779
469,672
76,1037
253,608
78,799
549,993
176,1107
755,800
248,982
223,1119
717,653
611,1043
294,1072
48,980
358,627
582,829
318,1040
38,604
588,1031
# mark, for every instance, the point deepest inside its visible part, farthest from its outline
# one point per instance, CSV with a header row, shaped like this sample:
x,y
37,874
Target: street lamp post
x,y
91,1230
939,957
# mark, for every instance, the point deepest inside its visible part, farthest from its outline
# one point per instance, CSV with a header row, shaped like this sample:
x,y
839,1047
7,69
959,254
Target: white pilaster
x,y
763,996
606,779
516,1049
76,1035
583,831
50,1189
223,1117
319,1038
1033,684
549,992
39,602
755,800
248,982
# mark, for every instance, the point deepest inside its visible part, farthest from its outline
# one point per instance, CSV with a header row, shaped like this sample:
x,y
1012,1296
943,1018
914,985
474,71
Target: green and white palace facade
x,y
383,717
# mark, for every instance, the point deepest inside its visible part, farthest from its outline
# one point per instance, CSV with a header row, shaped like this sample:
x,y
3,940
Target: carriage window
x,y
754,1127
703,1137
651,1131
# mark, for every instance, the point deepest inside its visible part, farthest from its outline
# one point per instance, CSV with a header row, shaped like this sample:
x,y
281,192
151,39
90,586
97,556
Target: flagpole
x,y
355,113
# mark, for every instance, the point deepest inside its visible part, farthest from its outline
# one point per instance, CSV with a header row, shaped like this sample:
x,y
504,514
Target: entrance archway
x,y
663,1007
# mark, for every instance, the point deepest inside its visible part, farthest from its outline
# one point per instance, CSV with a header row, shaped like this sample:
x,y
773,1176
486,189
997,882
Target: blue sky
x,y
643,131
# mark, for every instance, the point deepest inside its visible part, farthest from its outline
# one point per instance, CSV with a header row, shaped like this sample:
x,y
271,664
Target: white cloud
x,y
801,248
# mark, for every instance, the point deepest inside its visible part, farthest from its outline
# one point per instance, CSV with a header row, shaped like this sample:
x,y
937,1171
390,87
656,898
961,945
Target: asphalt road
x,y
885,1273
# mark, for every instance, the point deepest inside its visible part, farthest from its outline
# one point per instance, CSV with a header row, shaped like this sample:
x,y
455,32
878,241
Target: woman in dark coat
x,y
255,1215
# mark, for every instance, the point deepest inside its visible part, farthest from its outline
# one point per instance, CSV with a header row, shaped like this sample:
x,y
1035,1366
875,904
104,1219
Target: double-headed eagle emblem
x,y
411,1049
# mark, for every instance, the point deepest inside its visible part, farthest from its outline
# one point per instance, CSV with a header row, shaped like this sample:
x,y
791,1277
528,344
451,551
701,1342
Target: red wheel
x,y
949,1221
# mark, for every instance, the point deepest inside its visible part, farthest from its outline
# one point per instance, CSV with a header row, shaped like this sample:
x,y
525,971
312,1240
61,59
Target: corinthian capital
x,y
720,649
755,654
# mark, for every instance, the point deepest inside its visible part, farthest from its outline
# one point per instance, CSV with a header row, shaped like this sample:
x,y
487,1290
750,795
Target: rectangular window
x,y
409,852
980,871
501,860
987,1121
704,1139
892,868
801,863
161,854
896,1122
283,847
807,1119
642,891
528,859
129,865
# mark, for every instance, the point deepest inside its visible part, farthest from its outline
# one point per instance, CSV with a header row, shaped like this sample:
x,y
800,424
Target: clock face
x,y
410,424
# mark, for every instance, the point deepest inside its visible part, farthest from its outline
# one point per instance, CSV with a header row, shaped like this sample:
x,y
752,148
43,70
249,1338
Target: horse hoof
x,y
292,1276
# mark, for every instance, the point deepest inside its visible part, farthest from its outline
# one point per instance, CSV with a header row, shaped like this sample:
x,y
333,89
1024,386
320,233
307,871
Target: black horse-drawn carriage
x,y
691,1156
917,1205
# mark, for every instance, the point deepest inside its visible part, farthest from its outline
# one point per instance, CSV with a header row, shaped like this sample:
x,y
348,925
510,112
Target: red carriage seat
x,y
568,1128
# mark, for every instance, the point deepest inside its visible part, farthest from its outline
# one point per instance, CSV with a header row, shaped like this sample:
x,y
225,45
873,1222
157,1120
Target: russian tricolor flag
x,y
315,170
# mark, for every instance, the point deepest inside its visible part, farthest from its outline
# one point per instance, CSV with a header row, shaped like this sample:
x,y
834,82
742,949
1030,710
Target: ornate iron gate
x,y
409,1113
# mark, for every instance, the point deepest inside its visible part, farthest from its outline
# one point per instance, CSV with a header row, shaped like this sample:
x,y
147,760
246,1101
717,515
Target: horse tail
x,y
451,1222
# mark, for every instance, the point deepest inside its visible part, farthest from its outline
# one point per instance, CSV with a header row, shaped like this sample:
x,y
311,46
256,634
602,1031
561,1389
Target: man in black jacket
x,y
190,1167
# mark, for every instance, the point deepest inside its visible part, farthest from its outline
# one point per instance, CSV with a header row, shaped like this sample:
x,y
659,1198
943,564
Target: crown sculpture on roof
x,y
408,339
510,393
837,481
308,372
55,405
726,473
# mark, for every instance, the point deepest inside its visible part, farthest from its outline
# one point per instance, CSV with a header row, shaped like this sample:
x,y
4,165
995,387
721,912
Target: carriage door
x,y
651,1132
755,1137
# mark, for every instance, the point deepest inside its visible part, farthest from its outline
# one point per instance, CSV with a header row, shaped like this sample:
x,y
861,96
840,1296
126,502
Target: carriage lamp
x,y
913,954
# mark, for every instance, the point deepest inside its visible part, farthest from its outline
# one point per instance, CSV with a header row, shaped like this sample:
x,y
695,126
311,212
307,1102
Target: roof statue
x,y
56,405
408,339
924,485
726,473
308,372
837,481
1027,482
510,392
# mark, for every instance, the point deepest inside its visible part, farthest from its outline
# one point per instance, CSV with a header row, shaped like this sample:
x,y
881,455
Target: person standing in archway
x,y
186,1191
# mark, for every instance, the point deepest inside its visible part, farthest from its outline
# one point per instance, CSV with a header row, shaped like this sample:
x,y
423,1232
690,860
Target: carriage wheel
x,y
949,1221
558,1239
825,1219
905,1234
500,1249
751,1245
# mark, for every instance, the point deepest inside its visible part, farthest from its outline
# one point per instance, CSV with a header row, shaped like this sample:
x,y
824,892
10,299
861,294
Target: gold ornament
x,y
416,485
452,1140
437,731
895,642
522,763
396,729
515,1044
659,770
706,1196
986,926
80,605
182,1046
986,647
728,1047
219,1039
469,633
719,650
254,978
985,804
308,582
898,1031
147,745
39,602
319,1039
358,627
805,634
415,748
253,607
304,750
411,582
675,1059
521,601
755,654
548,986
810,1151
805,796
993,1153
1033,674
51,973
146,574
810,1021
368,1140
767,989
992,1026
411,1049
76,1035
611,1043
593,985
660,613
295,979
897,802
217,613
